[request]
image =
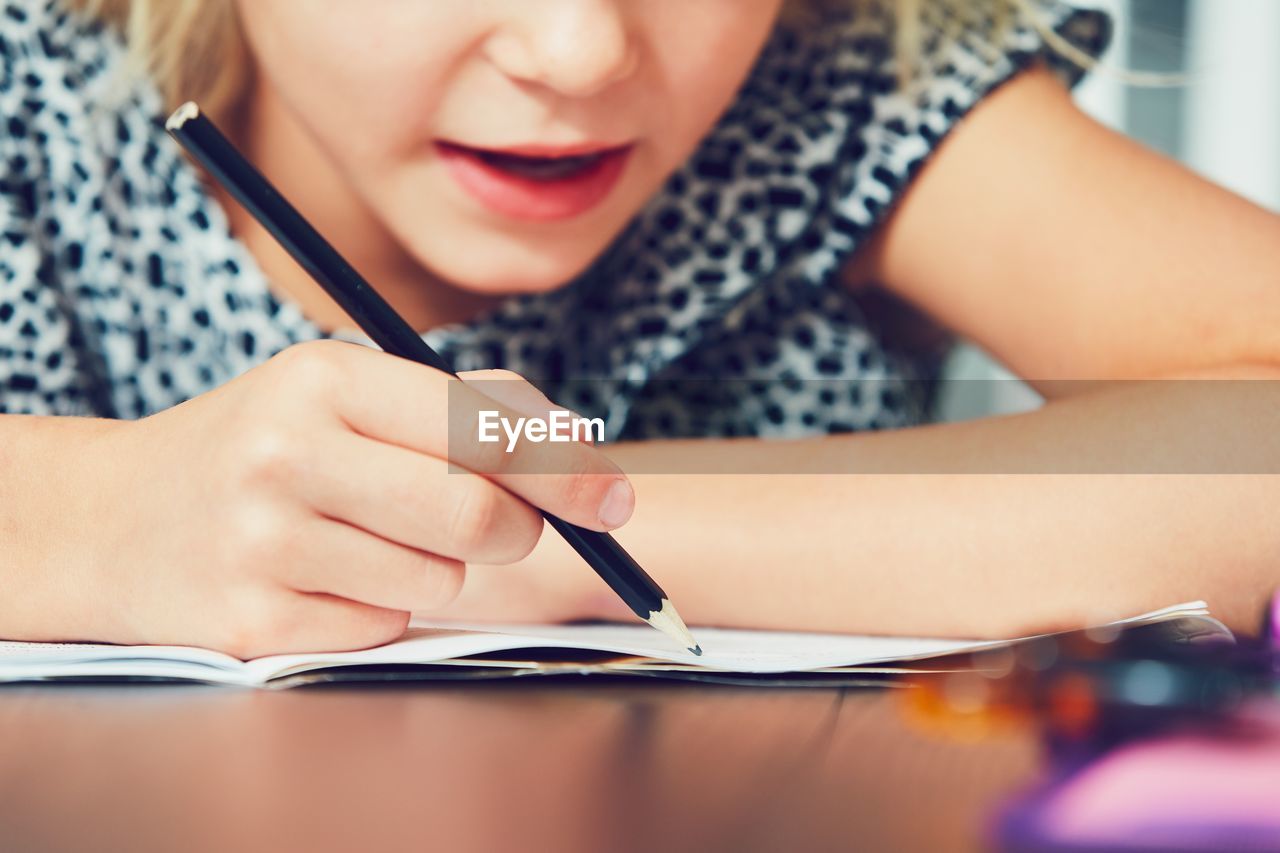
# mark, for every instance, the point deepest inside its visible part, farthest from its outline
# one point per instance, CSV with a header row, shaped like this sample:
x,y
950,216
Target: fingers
x,y
418,501
398,402
571,479
341,560
282,621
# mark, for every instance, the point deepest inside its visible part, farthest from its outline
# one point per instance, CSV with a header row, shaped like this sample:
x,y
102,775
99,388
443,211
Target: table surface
x,y
559,764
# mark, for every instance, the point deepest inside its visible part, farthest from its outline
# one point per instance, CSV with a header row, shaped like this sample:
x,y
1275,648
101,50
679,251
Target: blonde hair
x,y
195,50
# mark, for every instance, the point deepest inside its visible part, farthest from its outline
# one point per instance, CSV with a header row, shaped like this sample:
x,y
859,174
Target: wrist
x,y
50,503
572,589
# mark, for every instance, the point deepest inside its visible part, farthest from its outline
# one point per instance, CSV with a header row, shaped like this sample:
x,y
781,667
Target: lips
x,y
545,169
536,183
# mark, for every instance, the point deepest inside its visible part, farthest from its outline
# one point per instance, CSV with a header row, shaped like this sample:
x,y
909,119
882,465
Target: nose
x,y
577,48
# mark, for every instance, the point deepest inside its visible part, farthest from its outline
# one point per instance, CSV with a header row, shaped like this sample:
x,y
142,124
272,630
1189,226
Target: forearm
x,y
945,550
47,496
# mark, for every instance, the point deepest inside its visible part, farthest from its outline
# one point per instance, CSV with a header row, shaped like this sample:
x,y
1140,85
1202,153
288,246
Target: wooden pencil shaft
x,y
379,321
614,565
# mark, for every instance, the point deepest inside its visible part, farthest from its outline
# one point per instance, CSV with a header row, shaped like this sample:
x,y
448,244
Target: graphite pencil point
x,y
668,621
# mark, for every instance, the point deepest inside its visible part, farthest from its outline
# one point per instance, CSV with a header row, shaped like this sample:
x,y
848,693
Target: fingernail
x,y
618,504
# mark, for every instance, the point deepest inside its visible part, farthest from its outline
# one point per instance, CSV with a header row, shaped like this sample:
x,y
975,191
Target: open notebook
x,y
476,651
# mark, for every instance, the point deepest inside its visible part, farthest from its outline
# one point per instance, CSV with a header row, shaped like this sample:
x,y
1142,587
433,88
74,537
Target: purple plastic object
x,y
1191,791
1273,627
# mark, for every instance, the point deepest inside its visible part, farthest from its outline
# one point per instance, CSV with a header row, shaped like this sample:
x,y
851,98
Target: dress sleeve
x,y
45,366
892,129
965,56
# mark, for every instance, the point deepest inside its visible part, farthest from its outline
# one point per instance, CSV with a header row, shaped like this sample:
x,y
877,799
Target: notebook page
x,y
14,652
757,652
725,650
21,661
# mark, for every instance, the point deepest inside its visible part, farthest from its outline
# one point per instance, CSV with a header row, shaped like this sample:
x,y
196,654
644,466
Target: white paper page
x,y
126,669
735,651
757,652
21,661
34,653
725,650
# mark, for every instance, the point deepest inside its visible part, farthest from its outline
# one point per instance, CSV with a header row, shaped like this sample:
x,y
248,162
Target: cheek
x,y
363,78
703,52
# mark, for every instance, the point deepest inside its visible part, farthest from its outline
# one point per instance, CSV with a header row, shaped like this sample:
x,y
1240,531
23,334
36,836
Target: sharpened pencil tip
x,y
668,621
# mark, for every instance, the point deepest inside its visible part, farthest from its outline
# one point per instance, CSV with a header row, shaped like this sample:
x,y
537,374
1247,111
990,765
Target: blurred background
x,y
1223,121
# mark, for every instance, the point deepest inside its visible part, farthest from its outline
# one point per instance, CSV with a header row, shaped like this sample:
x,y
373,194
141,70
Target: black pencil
x,y
212,150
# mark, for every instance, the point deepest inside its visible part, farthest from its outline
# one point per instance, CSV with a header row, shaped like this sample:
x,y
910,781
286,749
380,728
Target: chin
x,y
512,284
506,269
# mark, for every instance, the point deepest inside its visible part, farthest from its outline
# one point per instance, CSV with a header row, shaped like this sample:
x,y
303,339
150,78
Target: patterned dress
x,y
717,312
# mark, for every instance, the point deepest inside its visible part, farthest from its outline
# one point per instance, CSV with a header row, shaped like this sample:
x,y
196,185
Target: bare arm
x,y
1071,252
1082,257
964,554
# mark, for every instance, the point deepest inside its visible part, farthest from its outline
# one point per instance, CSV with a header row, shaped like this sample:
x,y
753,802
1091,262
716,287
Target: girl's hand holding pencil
x,y
316,506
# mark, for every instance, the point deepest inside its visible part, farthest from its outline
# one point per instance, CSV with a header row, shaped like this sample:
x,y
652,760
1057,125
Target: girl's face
x,y
502,143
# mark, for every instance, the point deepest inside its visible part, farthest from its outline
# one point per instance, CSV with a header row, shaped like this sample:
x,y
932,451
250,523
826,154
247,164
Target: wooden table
x,y
563,765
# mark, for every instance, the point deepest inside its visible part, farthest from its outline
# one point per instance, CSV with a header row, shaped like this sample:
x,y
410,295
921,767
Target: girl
x,y
676,215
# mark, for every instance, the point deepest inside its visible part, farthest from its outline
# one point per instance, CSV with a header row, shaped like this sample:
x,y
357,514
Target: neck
x,y
284,152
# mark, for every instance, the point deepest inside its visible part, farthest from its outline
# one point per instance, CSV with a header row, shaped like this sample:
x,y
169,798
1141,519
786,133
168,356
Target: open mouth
x,y
541,168
533,185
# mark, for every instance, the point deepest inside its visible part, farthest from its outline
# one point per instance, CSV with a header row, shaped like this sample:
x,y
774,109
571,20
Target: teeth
x,y
541,168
